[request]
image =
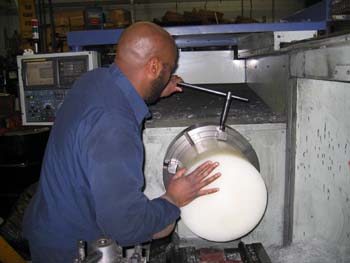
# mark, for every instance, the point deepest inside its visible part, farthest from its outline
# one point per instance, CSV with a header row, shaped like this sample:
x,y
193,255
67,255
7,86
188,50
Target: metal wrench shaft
x,y
187,85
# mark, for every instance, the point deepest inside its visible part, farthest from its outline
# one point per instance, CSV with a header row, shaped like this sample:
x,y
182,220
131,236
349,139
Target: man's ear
x,y
154,67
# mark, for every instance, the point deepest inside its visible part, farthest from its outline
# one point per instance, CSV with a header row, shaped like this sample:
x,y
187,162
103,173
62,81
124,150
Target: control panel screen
x,y
39,73
71,69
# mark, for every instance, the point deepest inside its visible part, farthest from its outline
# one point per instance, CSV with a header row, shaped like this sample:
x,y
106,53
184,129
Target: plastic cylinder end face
x,y
236,209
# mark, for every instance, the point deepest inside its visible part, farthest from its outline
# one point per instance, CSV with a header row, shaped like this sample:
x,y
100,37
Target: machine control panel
x,y
45,80
41,105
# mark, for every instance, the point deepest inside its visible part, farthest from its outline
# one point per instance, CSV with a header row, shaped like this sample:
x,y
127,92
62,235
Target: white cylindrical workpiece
x,y
237,208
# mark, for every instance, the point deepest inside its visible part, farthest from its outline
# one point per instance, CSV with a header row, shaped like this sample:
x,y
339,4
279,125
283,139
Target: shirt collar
x,y
135,100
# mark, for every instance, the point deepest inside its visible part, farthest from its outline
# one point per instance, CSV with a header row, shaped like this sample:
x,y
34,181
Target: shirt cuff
x,y
172,212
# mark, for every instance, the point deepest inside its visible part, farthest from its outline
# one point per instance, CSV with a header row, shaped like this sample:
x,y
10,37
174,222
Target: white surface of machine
x,y
45,79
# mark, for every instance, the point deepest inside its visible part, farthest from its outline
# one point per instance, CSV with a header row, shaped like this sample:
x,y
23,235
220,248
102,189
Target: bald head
x,y
147,55
142,41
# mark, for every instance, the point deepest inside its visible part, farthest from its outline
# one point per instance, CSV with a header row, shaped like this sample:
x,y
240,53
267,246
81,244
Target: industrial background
x,y
289,58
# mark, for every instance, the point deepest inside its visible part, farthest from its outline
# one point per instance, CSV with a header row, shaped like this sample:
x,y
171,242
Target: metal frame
x,y
288,217
315,18
186,34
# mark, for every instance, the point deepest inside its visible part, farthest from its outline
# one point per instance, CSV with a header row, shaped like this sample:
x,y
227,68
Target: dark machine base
x,y
244,253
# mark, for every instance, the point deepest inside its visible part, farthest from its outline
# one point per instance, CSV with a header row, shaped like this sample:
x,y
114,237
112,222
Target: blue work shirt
x,y
92,179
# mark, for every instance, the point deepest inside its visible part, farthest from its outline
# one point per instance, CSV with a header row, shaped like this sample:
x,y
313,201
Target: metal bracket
x,y
172,165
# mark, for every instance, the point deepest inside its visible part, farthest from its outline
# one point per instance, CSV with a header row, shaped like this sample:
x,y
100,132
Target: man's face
x,y
158,85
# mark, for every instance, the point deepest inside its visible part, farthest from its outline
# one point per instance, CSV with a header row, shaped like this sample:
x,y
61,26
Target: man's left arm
x,y
171,86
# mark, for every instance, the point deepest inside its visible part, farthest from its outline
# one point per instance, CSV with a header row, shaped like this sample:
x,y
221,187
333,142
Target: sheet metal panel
x,y
268,140
268,77
322,168
328,62
208,67
265,44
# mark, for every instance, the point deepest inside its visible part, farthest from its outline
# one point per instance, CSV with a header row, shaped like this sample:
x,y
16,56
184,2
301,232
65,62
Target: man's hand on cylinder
x,y
172,87
183,189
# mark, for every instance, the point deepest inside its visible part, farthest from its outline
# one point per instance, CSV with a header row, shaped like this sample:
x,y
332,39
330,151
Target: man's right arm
x,y
114,171
183,189
165,232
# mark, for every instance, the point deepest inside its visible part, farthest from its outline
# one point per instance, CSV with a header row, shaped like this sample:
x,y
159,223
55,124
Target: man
x,y
91,180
